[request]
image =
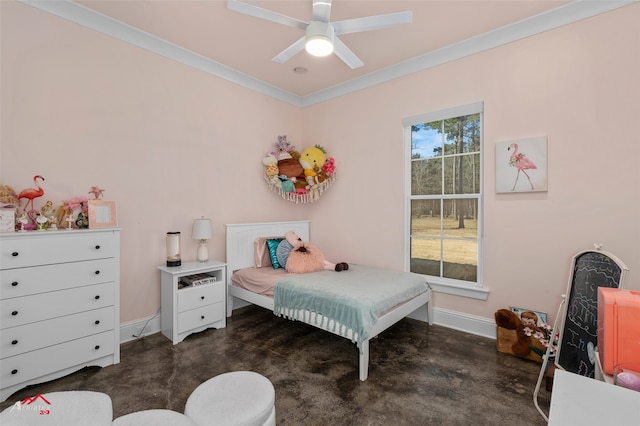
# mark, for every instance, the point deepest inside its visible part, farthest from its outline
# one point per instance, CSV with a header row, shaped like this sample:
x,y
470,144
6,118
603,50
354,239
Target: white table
x,y
581,401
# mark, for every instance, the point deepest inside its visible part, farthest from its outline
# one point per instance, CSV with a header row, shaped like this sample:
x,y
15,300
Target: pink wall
x,y
167,142
575,85
170,143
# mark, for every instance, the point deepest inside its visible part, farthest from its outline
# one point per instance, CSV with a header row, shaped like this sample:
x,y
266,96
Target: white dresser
x,y
59,304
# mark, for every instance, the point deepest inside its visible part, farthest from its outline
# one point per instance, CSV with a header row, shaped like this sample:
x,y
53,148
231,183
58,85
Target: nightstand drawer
x,y
20,368
29,337
45,249
190,298
39,279
200,317
28,309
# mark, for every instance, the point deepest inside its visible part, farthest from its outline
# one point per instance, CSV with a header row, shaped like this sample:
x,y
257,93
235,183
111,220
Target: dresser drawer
x,y
28,309
200,317
190,298
37,335
18,251
27,366
40,279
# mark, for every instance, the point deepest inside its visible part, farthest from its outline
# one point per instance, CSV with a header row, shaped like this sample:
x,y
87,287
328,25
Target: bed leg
x,y
364,360
430,308
229,305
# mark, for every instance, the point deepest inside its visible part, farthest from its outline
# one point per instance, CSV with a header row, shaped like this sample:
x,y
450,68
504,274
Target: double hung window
x,y
444,197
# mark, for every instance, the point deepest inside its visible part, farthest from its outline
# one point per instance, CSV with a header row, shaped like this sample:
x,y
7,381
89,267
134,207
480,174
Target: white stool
x,y
61,408
154,418
238,398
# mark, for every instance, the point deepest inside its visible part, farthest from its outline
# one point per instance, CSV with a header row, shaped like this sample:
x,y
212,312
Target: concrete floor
x,y
418,374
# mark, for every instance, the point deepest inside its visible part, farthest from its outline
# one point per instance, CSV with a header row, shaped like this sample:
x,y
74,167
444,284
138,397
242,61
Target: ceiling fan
x,y
320,37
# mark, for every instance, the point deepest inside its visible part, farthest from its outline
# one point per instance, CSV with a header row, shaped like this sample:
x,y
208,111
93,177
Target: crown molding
x,y
563,15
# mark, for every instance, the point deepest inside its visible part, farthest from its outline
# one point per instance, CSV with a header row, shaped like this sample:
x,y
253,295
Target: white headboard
x,y
241,236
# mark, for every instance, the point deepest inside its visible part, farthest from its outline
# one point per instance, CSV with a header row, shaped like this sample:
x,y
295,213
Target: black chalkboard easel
x,y
579,330
577,319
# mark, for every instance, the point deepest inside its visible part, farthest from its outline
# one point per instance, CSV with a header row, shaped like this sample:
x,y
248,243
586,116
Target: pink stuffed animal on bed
x,y
298,257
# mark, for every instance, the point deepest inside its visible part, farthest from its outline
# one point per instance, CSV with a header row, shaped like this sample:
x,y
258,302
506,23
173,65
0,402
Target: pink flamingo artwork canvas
x,y
526,157
521,163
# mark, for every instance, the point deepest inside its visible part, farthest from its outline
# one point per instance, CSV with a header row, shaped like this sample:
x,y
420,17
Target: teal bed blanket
x,y
354,298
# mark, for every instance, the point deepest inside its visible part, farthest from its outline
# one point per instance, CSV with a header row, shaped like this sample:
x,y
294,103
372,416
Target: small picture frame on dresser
x,y
102,214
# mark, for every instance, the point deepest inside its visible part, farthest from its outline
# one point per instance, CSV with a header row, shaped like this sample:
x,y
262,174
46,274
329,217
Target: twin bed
x,y
357,304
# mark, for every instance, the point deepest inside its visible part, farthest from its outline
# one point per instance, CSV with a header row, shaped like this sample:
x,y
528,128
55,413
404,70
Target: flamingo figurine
x,y
30,194
520,162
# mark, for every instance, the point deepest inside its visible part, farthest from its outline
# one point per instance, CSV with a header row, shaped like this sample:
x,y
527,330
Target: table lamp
x,y
202,231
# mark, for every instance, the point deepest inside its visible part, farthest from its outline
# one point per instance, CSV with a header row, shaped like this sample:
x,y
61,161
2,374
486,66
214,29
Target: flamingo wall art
x,y
521,166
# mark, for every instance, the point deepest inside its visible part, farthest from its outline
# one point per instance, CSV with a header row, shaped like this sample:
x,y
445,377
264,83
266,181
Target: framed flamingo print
x,y
521,165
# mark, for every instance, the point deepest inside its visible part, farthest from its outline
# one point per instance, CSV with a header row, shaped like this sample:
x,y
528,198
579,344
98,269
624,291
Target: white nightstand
x,y
190,309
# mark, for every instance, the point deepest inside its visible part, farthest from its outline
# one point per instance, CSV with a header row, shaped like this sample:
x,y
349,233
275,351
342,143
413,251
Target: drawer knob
x,y
14,284
14,313
97,322
97,347
201,316
202,297
97,297
97,272
14,371
14,342
97,247
15,254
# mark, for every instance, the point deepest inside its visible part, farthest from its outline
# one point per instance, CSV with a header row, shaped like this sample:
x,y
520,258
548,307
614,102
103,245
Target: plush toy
x,y
290,167
312,159
506,318
299,257
522,345
286,183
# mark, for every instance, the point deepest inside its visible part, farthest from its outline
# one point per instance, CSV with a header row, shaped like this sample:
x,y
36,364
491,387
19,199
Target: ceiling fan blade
x,y
321,10
343,52
258,12
290,51
370,23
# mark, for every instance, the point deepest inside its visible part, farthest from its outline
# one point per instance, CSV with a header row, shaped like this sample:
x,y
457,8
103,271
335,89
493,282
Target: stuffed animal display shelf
x,y
299,177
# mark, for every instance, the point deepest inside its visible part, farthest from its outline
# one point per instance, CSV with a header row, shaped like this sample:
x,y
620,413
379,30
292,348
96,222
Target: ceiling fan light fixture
x,y
319,38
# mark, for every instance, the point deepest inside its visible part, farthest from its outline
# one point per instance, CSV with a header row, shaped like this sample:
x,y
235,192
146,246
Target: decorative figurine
x,y
23,219
41,222
53,223
49,212
96,191
69,220
30,194
82,221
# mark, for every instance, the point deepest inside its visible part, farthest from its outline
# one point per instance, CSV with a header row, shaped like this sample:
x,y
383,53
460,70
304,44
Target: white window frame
x,y
473,290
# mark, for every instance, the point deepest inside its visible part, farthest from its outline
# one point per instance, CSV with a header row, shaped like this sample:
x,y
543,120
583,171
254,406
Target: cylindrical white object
x,y
173,249
203,251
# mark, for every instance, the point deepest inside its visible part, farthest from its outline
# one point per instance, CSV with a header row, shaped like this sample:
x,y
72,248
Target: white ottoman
x,y
154,418
61,408
242,398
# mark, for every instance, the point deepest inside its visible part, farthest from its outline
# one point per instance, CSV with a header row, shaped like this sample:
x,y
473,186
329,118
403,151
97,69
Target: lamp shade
x,y
202,229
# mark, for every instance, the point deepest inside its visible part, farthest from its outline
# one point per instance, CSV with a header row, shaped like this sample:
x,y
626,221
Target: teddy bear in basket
x,y
299,257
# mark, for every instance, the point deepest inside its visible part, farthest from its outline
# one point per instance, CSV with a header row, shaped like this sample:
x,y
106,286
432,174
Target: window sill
x,y
458,289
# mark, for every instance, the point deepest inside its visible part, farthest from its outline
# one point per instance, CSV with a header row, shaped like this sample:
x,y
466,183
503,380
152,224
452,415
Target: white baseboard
x,y
472,324
468,323
138,328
